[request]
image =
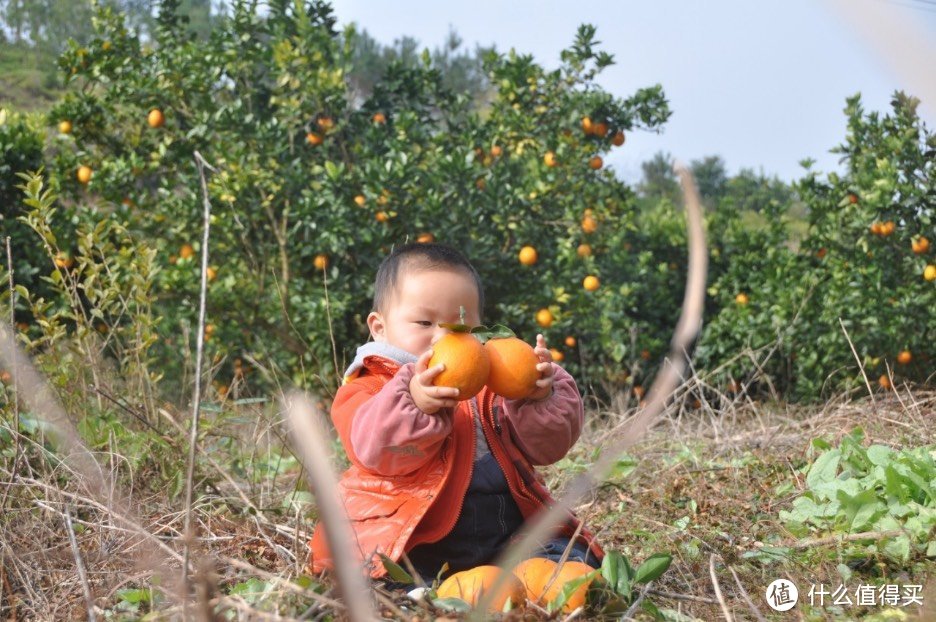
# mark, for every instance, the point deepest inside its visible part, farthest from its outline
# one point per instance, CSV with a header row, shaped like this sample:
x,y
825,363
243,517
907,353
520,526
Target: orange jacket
x,y
410,471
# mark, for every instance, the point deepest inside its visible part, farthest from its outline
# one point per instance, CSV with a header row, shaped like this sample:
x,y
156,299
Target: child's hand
x,y
544,385
428,397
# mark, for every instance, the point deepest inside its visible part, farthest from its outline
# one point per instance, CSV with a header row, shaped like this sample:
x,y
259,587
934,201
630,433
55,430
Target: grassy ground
x,y
27,81
706,485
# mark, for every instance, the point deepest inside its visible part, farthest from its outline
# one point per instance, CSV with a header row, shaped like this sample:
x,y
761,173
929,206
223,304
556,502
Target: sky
x,y
762,83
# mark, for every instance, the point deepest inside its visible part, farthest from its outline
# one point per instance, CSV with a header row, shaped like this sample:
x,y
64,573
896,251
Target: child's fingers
x,y
545,369
422,363
426,377
540,341
442,393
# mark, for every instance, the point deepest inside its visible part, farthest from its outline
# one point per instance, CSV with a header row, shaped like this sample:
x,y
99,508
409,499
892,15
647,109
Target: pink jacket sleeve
x,y
390,435
545,430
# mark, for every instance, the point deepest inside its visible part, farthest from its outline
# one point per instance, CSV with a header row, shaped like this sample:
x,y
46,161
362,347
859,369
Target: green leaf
x,y
451,604
568,589
898,548
395,571
824,469
880,455
134,596
653,567
486,333
617,571
861,509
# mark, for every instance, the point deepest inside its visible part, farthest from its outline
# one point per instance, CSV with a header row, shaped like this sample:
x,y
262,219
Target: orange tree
x,y
862,262
313,187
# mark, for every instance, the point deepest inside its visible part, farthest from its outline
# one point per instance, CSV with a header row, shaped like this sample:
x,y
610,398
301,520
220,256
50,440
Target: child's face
x,y
422,299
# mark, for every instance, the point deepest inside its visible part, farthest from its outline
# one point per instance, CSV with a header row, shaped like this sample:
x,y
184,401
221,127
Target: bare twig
x,y
717,587
637,601
199,354
860,365
849,537
82,575
685,597
669,377
305,423
331,332
747,597
13,398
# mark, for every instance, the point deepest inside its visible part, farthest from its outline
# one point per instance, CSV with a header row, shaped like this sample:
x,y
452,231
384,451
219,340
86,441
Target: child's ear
x,y
375,323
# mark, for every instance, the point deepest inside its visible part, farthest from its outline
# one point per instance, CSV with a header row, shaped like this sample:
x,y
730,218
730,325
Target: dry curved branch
x,y
669,378
307,429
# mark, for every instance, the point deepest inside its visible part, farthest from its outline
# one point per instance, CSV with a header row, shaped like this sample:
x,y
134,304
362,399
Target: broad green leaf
x,y
861,509
395,571
898,548
451,604
618,573
568,589
880,455
652,567
824,469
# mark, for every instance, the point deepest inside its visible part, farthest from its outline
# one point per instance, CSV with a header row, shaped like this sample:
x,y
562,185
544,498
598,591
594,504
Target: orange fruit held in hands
x,y
65,127
469,585
528,255
544,318
537,574
904,357
920,245
513,371
83,174
466,363
155,118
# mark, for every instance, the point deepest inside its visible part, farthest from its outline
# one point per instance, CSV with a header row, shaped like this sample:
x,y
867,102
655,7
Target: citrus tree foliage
x,y
314,182
307,176
861,264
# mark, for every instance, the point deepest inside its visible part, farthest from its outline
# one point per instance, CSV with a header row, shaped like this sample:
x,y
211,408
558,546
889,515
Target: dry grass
x,y
720,467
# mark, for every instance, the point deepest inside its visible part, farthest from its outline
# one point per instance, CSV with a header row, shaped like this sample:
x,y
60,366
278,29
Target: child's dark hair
x,y
420,256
